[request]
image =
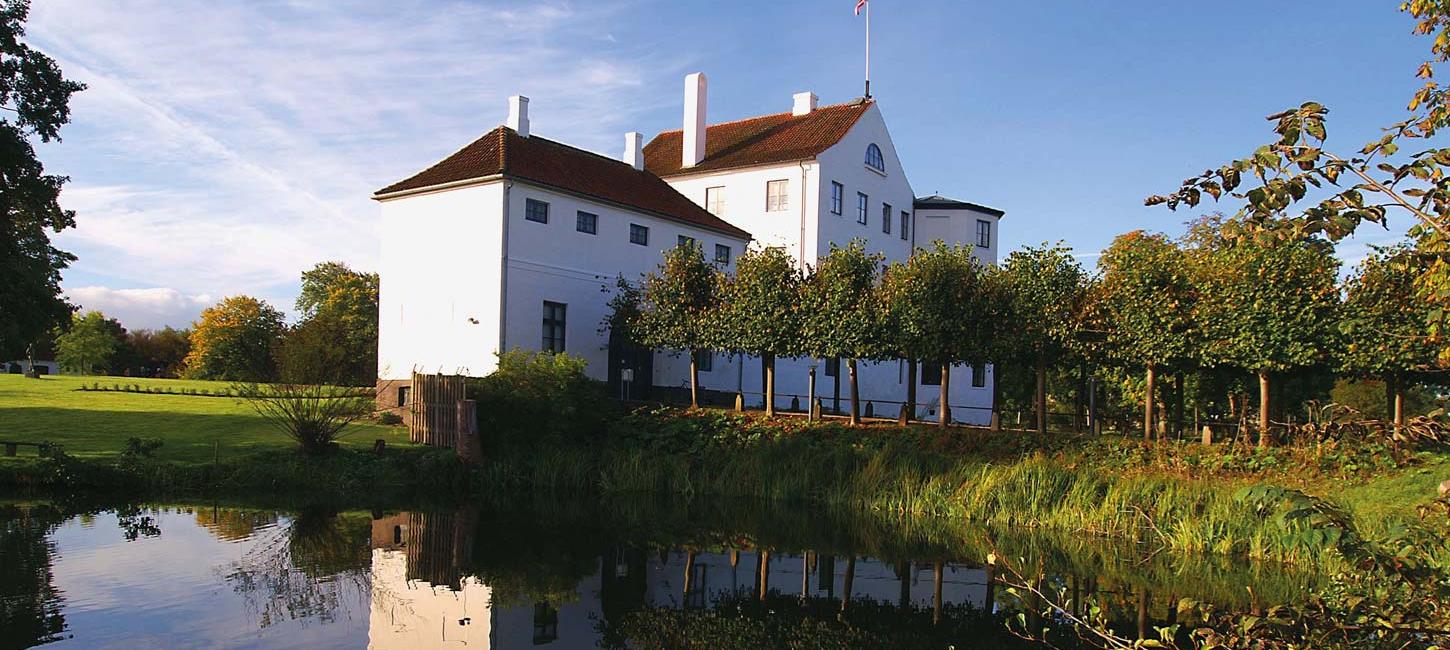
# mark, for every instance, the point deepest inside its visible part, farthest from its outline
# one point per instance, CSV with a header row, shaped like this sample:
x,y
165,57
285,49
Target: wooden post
x,y
1207,436
904,416
811,389
739,403
1265,439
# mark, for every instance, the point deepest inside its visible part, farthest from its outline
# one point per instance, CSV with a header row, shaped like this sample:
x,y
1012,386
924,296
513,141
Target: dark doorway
x,y
631,361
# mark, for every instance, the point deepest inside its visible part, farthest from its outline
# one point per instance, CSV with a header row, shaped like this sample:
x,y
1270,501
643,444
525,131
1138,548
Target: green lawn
x,y
97,424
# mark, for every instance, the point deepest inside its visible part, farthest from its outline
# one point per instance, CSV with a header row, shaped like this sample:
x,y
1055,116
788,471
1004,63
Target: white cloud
x,y
224,148
142,308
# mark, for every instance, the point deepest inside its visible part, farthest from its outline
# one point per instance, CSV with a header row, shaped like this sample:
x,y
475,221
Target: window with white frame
x,y
861,202
715,200
874,159
838,197
886,218
984,233
777,196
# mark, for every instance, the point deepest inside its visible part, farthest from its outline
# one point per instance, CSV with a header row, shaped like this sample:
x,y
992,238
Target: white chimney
x,y
804,103
693,149
634,149
519,114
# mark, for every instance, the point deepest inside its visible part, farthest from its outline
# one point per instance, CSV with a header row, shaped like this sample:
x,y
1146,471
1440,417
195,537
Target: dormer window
x,y
874,160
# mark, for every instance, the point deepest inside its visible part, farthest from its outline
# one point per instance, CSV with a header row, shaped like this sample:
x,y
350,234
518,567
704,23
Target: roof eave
x,y
436,187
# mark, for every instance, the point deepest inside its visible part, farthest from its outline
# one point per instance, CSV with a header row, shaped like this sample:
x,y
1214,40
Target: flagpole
x,y
868,49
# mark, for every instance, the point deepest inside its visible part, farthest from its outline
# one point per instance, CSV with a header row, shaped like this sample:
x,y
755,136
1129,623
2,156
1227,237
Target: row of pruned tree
x,y
1223,296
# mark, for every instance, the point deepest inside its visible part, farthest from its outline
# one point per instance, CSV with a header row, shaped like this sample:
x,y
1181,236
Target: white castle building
x,y
515,241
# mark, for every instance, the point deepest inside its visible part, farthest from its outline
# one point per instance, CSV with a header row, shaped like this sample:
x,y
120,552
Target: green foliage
x,y
314,416
941,306
142,447
537,399
1147,295
1368,399
158,353
676,300
235,340
315,352
1046,287
36,99
88,346
841,314
759,310
1385,328
341,304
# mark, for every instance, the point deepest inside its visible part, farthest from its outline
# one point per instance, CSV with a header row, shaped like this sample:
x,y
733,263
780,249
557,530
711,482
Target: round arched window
x,y
874,160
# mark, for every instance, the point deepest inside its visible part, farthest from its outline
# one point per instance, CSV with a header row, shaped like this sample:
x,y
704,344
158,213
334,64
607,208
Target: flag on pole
x,y
860,4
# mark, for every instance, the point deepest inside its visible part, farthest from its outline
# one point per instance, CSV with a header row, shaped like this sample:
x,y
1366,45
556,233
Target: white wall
x,y
438,306
405,614
744,191
845,163
958,226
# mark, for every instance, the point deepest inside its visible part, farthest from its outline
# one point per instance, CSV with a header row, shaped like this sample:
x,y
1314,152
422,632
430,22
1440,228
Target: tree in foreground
x,y
1267,305
1045,287
840,311
235,340
759,311
941,307
35,97
1385,329
1147,297
313,415
675,305
89,345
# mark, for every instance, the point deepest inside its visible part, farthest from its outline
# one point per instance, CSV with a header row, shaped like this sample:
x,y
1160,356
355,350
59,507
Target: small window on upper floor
x,y
984,233
861,202
586,222
536,211
638,234
838,196
715,200
886,218
777,196
874,159
685,241
722,254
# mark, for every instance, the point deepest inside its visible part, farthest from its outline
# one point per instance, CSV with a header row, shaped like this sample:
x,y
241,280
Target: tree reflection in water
x,y
30,605
314,568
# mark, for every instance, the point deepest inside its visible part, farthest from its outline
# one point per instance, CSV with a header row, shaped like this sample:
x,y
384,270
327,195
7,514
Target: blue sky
x,y
223,148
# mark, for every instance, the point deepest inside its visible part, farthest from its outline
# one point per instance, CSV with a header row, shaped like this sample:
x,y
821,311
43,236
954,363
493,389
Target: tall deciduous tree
x,y
942,308
676,304
160,353
235,341
841,313
88,346
344,303
35,97
759,311
1386,331
1268,305
1045,286
1147,295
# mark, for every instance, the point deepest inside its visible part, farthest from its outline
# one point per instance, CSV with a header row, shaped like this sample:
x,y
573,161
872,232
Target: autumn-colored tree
x,y
1147,296
88,346
940,306
234,340
759,311
676,303
1267,305
1046,287
1298,164
1385,329
343,302
841,314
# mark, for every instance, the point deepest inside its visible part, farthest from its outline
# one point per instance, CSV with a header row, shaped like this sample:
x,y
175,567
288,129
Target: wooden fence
x,y
441,415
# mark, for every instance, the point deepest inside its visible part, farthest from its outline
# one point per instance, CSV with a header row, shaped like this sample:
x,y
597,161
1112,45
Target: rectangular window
x,y
931,373
833,366
686,241
861,202
554,317
715,200
404,392
905,219
586,222
704,360
638,234
979,376
886,218
722,254
838,197
984,233
536,211
777,196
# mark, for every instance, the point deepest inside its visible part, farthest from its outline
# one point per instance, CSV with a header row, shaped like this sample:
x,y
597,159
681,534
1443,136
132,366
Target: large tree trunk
x,y
910,390
1265,439
694,380
1148,403
1041,401
944,414
855,393
769,361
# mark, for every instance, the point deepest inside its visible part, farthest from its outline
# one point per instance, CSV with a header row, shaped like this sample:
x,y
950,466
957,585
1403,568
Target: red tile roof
x,y
759,140
503,151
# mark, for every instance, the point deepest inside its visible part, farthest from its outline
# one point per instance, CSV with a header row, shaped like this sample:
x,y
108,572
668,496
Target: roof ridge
x,y
851,104
586,151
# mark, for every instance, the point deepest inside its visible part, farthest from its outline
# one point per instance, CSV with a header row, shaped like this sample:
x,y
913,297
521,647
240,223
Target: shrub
x,y
390,418
312,415
141,448
537,397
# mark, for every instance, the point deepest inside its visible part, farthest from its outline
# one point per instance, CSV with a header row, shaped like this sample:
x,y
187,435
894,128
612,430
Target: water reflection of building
x,y
421,597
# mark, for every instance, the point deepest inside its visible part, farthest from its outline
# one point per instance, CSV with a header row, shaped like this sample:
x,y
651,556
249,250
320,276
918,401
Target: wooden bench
x,y
12,447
